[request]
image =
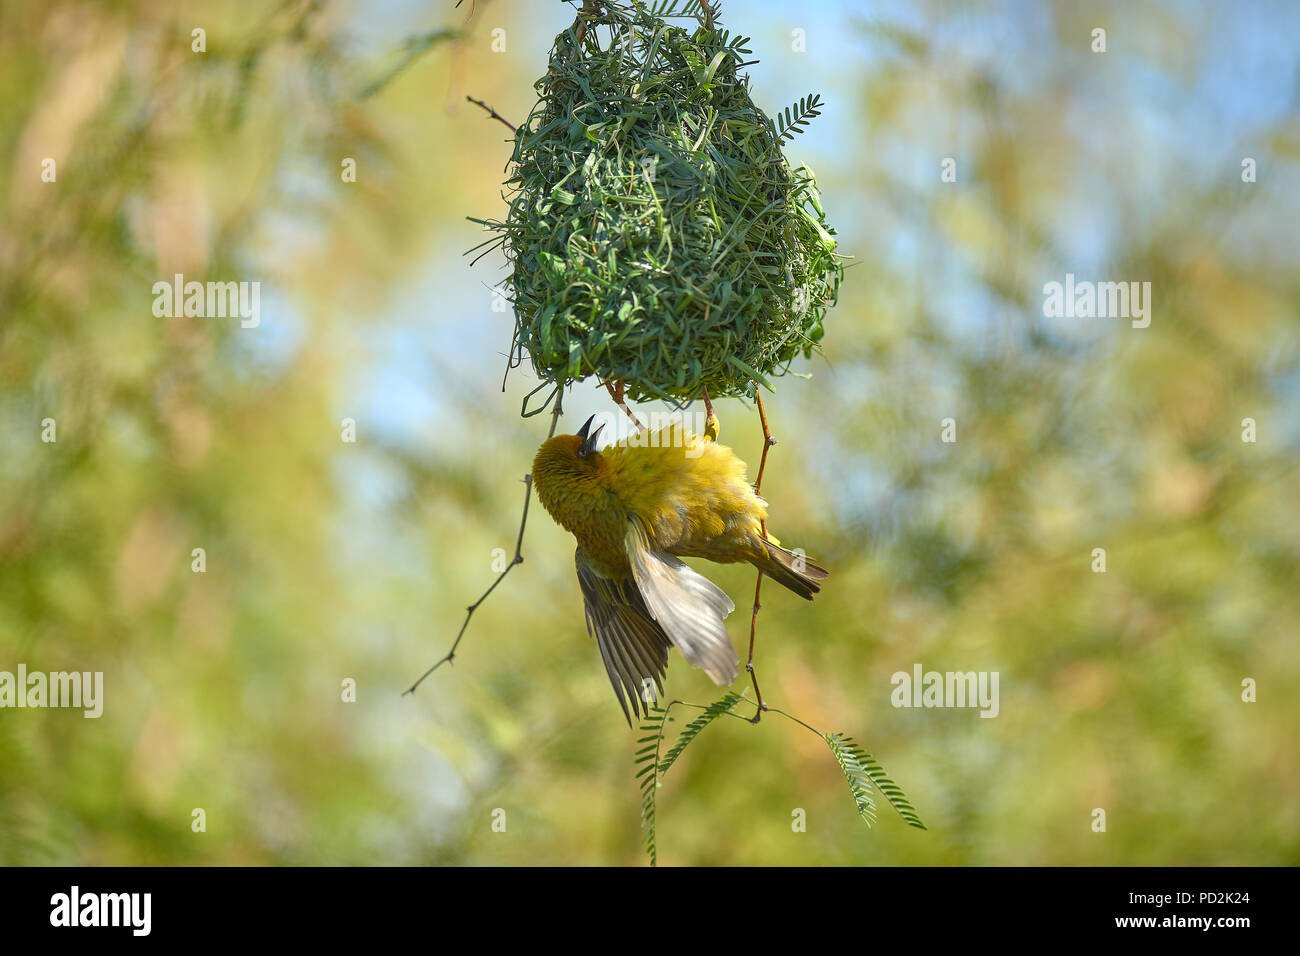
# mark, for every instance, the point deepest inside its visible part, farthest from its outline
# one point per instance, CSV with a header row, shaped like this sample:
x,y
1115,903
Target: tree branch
x,y
616,393
768,442
708,14
518,559
494,114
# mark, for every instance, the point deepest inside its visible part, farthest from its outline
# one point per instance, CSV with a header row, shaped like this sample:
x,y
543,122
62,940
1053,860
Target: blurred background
x,y
329,560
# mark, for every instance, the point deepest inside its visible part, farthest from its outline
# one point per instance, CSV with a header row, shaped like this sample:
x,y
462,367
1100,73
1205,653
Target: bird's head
x,y
565,461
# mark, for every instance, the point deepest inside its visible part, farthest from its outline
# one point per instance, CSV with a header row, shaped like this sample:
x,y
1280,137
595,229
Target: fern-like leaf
x,y
667,9
796,117
737,44
664,9
647,763
651,767
696,9
856,774
859,768
710,714
888,789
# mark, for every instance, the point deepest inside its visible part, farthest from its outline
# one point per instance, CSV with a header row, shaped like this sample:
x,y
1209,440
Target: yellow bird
x,y
637,508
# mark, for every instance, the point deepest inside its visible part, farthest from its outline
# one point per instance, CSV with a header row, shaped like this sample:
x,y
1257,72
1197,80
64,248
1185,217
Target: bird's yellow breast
x,y
690,494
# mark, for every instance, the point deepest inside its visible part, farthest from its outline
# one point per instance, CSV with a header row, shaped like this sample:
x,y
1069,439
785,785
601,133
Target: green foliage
x,y
796,118
647,760
656,232
856,775
715,710
652,767
861,770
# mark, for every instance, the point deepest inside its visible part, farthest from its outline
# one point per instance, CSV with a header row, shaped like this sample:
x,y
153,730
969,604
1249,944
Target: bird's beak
x,y
589,440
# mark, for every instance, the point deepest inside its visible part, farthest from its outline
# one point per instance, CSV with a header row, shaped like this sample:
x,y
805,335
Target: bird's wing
x,y
633,647
689,607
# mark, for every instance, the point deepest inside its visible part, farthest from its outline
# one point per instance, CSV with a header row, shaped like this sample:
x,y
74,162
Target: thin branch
x,y
708,14
776,710
518,559
473,9
725,713
616,393
494,114
587,5
768,442
708,405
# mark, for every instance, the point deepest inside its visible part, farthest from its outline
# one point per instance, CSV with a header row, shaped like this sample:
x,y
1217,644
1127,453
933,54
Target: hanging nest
x,y
657,234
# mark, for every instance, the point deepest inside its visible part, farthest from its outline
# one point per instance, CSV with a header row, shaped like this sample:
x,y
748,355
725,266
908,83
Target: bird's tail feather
x,y
794,571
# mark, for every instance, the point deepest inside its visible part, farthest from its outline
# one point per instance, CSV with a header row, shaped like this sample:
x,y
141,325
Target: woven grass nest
x,y
657,234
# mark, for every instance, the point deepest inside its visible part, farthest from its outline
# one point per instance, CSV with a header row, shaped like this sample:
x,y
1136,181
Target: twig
x,y
708,14
768,442
727,713
518,559
594,7
494,114
616,393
